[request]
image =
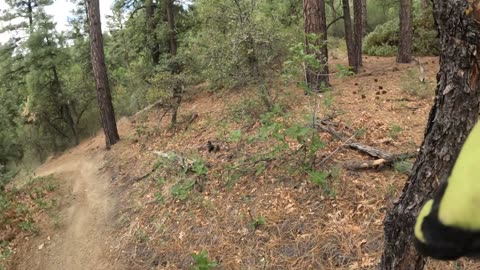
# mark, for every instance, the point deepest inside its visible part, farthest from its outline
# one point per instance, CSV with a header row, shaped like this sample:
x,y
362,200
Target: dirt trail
x,y
83,241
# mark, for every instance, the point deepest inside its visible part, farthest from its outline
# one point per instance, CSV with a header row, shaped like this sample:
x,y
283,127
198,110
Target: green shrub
x,y
383,41
202,262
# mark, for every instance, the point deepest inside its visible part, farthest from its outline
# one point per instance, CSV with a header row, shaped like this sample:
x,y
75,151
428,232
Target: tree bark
x,y
405,44
347,20
151,37
316,23
452,117
358,33
172,34
107,113
364,17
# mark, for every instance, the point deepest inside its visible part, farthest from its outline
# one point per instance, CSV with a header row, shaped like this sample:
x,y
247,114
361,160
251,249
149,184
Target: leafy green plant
x,y
360,132
383,41
5,251
202,262
28,226
182,188
344,71
394,131
159,197
141,236
258,221
235,135
199,168
320,178
403,166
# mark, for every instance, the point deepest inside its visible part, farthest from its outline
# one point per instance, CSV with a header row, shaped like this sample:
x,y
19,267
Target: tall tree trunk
x,y
30,15
172,34
358,33
347,20
316,23
104,97
452,117
405,44
151,37
364,17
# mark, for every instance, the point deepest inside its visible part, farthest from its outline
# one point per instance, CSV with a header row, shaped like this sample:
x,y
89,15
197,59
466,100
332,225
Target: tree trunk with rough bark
x,y
316,23
107,113
358,33
172,34
453,115
405,43
347,21
364,17
151,24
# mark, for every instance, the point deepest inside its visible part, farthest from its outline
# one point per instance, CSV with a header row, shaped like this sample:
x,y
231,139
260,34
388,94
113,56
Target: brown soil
x,y
84,238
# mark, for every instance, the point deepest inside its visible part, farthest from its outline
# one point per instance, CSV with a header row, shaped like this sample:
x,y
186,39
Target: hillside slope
x,y
160,196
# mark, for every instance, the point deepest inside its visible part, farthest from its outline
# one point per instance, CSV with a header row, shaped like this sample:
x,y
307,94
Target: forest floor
x,y
160,200
84,225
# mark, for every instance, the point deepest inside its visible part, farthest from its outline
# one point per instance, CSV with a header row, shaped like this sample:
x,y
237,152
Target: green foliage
x,y
248,110
318,178
141,236
403,166
275,128
258,221
202,262
394,131
199,168
29,226
344,71
235,42
182,188
300,58
383,41
235,135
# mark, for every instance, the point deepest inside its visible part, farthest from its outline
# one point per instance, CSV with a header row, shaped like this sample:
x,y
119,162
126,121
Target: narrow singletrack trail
x,y
84,239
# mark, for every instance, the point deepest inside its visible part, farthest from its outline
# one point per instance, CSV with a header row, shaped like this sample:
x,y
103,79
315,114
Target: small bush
x,y
403,166
181,189
202,262
383,41
394,131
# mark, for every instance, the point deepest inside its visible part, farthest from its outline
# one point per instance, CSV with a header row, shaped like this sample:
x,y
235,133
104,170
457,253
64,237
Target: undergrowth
x,y
383,41
20,209
412,85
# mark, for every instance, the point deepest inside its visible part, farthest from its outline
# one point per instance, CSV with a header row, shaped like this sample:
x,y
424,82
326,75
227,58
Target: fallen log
x,y
372,151
377,163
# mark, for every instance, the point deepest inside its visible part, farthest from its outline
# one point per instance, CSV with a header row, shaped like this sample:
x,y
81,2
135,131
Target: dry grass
x,y
304,227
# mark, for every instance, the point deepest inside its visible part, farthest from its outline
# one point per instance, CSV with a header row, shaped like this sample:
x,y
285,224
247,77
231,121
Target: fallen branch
x,y
378,163
325,128
372,151
145,176
193,117
335,151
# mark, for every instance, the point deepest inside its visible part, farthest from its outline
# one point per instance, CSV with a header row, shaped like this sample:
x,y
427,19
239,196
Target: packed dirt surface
x,y
83,240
